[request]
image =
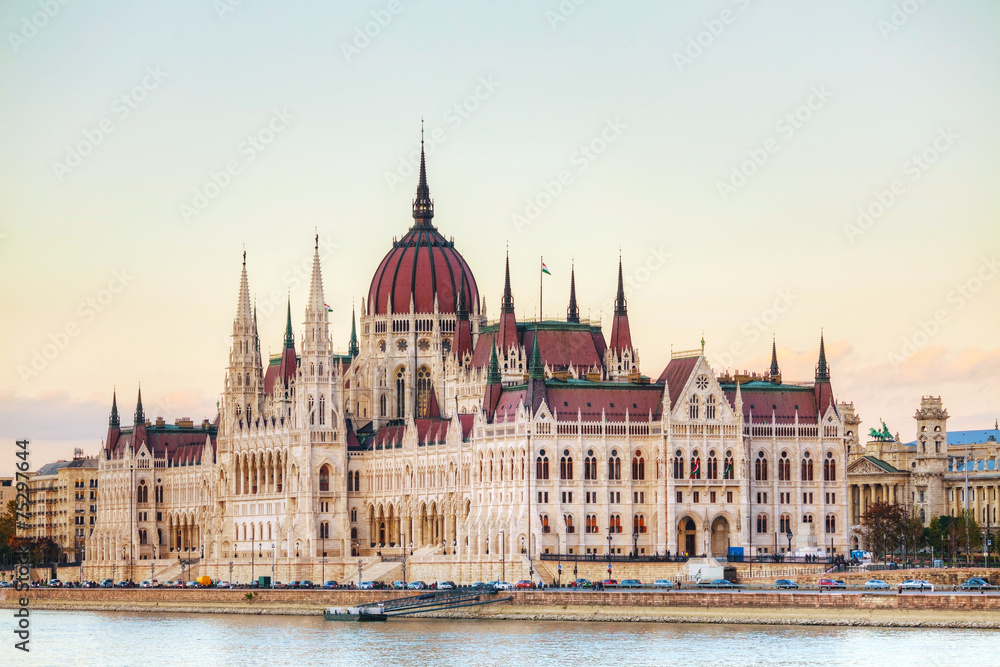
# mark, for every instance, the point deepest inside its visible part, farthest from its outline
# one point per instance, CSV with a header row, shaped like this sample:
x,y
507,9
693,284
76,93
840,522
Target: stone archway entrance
x,y
686,537
720,537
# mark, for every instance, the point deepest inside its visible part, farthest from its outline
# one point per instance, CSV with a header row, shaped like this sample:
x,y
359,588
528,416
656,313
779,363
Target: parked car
x,y
630,583
876,585
975,584
412,586
123,584
145,583
523,583
717,583
293,584
787,584
446,585
484,586
503,585
832,585
610,583
223,584
663,583
194,584
370,585
330,583
178,584
582,583
917,585
306,584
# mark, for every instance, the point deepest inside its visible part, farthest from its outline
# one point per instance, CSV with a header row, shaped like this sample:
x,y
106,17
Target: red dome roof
x,y
421,264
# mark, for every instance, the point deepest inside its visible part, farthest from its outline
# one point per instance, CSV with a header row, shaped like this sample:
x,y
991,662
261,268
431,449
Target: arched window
x,y
542,466
761,523
312,415
784,468
710,407
545,523
695,465
400,394
693,407
324,530
615,524
590,466
829,468
638,466
591,523
614,466
142,536
784,524
324,478
807,518
807,468
566,466
678,465
322,410
381,405
760,468
142,494
831,524
713,466
638,523
728,471
568,518
423,391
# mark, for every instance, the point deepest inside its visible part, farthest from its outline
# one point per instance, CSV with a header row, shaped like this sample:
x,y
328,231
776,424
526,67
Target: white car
x,y
876,585
503,585
146,583
223,584
917,585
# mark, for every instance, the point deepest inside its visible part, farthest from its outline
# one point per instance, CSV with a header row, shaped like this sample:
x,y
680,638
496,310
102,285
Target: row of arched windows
x,y
711,470
785,523
590,466
805,469
694,407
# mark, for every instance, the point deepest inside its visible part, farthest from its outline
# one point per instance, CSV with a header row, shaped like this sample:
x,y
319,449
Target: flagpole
x,y
541,263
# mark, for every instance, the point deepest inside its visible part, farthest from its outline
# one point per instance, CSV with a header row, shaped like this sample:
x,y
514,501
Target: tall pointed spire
x,y
114,421
621,307
423,205
140,416
493,374
243,305
507,330
775,372
573,312
352,347
507,303
463,328
463,309
289,337
621,334
493,386
535,368
822,370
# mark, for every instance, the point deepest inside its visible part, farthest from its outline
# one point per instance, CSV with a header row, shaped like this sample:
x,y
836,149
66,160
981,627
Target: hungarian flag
x,y
327,306
729,470
695,468
545,269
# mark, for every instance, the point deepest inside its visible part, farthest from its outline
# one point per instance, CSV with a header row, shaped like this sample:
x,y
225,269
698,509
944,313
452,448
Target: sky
x,y
764,169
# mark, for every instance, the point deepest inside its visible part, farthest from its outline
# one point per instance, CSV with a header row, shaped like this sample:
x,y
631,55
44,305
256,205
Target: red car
x,y
524,583
831,584
610,583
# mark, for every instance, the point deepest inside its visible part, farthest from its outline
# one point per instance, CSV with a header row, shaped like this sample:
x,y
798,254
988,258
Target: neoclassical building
x,y
938,473
458,437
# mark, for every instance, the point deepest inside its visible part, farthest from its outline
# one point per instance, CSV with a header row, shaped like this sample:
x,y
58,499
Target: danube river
x,y
114,638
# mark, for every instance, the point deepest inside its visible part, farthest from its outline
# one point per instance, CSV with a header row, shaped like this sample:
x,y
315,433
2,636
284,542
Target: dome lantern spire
x,y
423,205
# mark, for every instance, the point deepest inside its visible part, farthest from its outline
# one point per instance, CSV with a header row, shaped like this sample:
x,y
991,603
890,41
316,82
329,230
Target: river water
x,y
113,638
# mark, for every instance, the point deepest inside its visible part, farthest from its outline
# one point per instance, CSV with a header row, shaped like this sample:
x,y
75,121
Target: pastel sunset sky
x,y
765,169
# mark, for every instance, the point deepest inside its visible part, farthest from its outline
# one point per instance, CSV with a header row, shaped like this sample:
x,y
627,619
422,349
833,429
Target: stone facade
x,y
63,504
929,475
452,438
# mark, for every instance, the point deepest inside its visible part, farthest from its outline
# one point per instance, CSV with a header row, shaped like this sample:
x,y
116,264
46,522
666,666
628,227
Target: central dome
x,y
422,265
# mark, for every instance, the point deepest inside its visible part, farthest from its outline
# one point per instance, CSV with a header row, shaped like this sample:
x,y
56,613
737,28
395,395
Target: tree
x,y
938,534
968,537
8,524
914,534
882,527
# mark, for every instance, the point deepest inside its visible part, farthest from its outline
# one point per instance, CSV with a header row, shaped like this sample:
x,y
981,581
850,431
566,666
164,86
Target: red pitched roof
x,y
676,375
763,400
591,399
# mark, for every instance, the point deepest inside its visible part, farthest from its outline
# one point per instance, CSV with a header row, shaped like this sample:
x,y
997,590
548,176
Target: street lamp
x,y
522,544
635,543
274,562
611,529
151,566
789,536
559,570
322,570
503,569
